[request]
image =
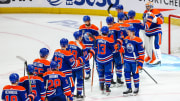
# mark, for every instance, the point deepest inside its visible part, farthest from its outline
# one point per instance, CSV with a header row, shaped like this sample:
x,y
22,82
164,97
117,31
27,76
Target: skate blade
x,y
135,94
119,85
129,94
112,85
107,93
102,92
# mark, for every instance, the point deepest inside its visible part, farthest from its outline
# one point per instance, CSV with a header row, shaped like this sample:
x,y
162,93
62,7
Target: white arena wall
x,y
88,7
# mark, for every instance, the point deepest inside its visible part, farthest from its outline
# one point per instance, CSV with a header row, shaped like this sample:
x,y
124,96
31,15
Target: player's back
x,y
14,93
123,27
136,24
65,60
114,32
57,83
105,48
37,85
41,66
74,49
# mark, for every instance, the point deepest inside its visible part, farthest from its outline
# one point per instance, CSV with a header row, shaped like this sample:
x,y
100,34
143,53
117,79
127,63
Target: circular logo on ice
x,y
54,2
130,48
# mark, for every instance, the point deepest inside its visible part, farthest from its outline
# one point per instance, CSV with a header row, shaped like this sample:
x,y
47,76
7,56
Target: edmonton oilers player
x,y
14,92
135,23
66,61
122,25
104,58
57,85
41,64
119,9
78,49
133,47
153,19
37,84
114,33
86,29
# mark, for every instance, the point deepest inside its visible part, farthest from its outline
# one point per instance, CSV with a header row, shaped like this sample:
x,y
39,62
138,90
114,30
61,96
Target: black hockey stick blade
x,y
110,6
21,58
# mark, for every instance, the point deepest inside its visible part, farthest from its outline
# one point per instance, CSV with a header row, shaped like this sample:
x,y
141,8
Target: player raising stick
x,y
57,84
14,92
37,84
133,47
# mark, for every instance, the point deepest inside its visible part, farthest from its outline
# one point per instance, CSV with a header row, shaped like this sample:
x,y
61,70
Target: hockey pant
x,y
58,96
105,73
131,68
117,61
71,82
152,46
78,74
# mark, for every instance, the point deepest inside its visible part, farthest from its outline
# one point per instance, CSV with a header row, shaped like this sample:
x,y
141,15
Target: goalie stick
x,y
25,67
145,70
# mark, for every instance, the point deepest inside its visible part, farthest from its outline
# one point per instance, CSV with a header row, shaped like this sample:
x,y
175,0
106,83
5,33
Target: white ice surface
x,y
25,34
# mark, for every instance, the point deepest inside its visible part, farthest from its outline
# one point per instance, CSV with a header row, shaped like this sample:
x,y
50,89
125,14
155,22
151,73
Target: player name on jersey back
x,y
11,92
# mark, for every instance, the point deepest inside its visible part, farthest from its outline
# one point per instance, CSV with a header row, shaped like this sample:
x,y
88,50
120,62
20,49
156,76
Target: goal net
x,y
174,34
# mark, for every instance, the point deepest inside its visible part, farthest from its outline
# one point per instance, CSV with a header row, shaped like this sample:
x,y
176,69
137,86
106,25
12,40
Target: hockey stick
x,y
90,35
108,10
25,67
83,78
145,70
25,62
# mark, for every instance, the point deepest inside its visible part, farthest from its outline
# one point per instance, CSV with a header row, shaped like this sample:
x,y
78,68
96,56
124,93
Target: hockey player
x,y
57,84
41,64
133,22
78,49
133,47
105,48
37,84
14,92
119,9
123,26
152,19
66,61
86,29
114,33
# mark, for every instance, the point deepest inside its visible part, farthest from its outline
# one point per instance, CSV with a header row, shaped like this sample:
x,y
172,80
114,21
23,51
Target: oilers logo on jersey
x,y
86,36
130,48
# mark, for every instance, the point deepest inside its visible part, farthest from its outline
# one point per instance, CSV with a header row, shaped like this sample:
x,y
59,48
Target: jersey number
x,y
54,84
102,49
59,62
12,98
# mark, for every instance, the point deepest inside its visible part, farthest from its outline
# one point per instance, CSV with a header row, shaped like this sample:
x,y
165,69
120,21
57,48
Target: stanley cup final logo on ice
x,y
98,3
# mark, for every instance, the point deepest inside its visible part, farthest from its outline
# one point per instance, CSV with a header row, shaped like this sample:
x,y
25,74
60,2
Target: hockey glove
x,y
31,96
70,98
117,47
81,59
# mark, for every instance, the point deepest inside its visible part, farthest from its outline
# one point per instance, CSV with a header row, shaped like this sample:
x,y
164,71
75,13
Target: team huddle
x,y
116,46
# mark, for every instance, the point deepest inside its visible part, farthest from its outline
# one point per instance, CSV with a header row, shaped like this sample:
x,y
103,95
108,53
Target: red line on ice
x,y
28,37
